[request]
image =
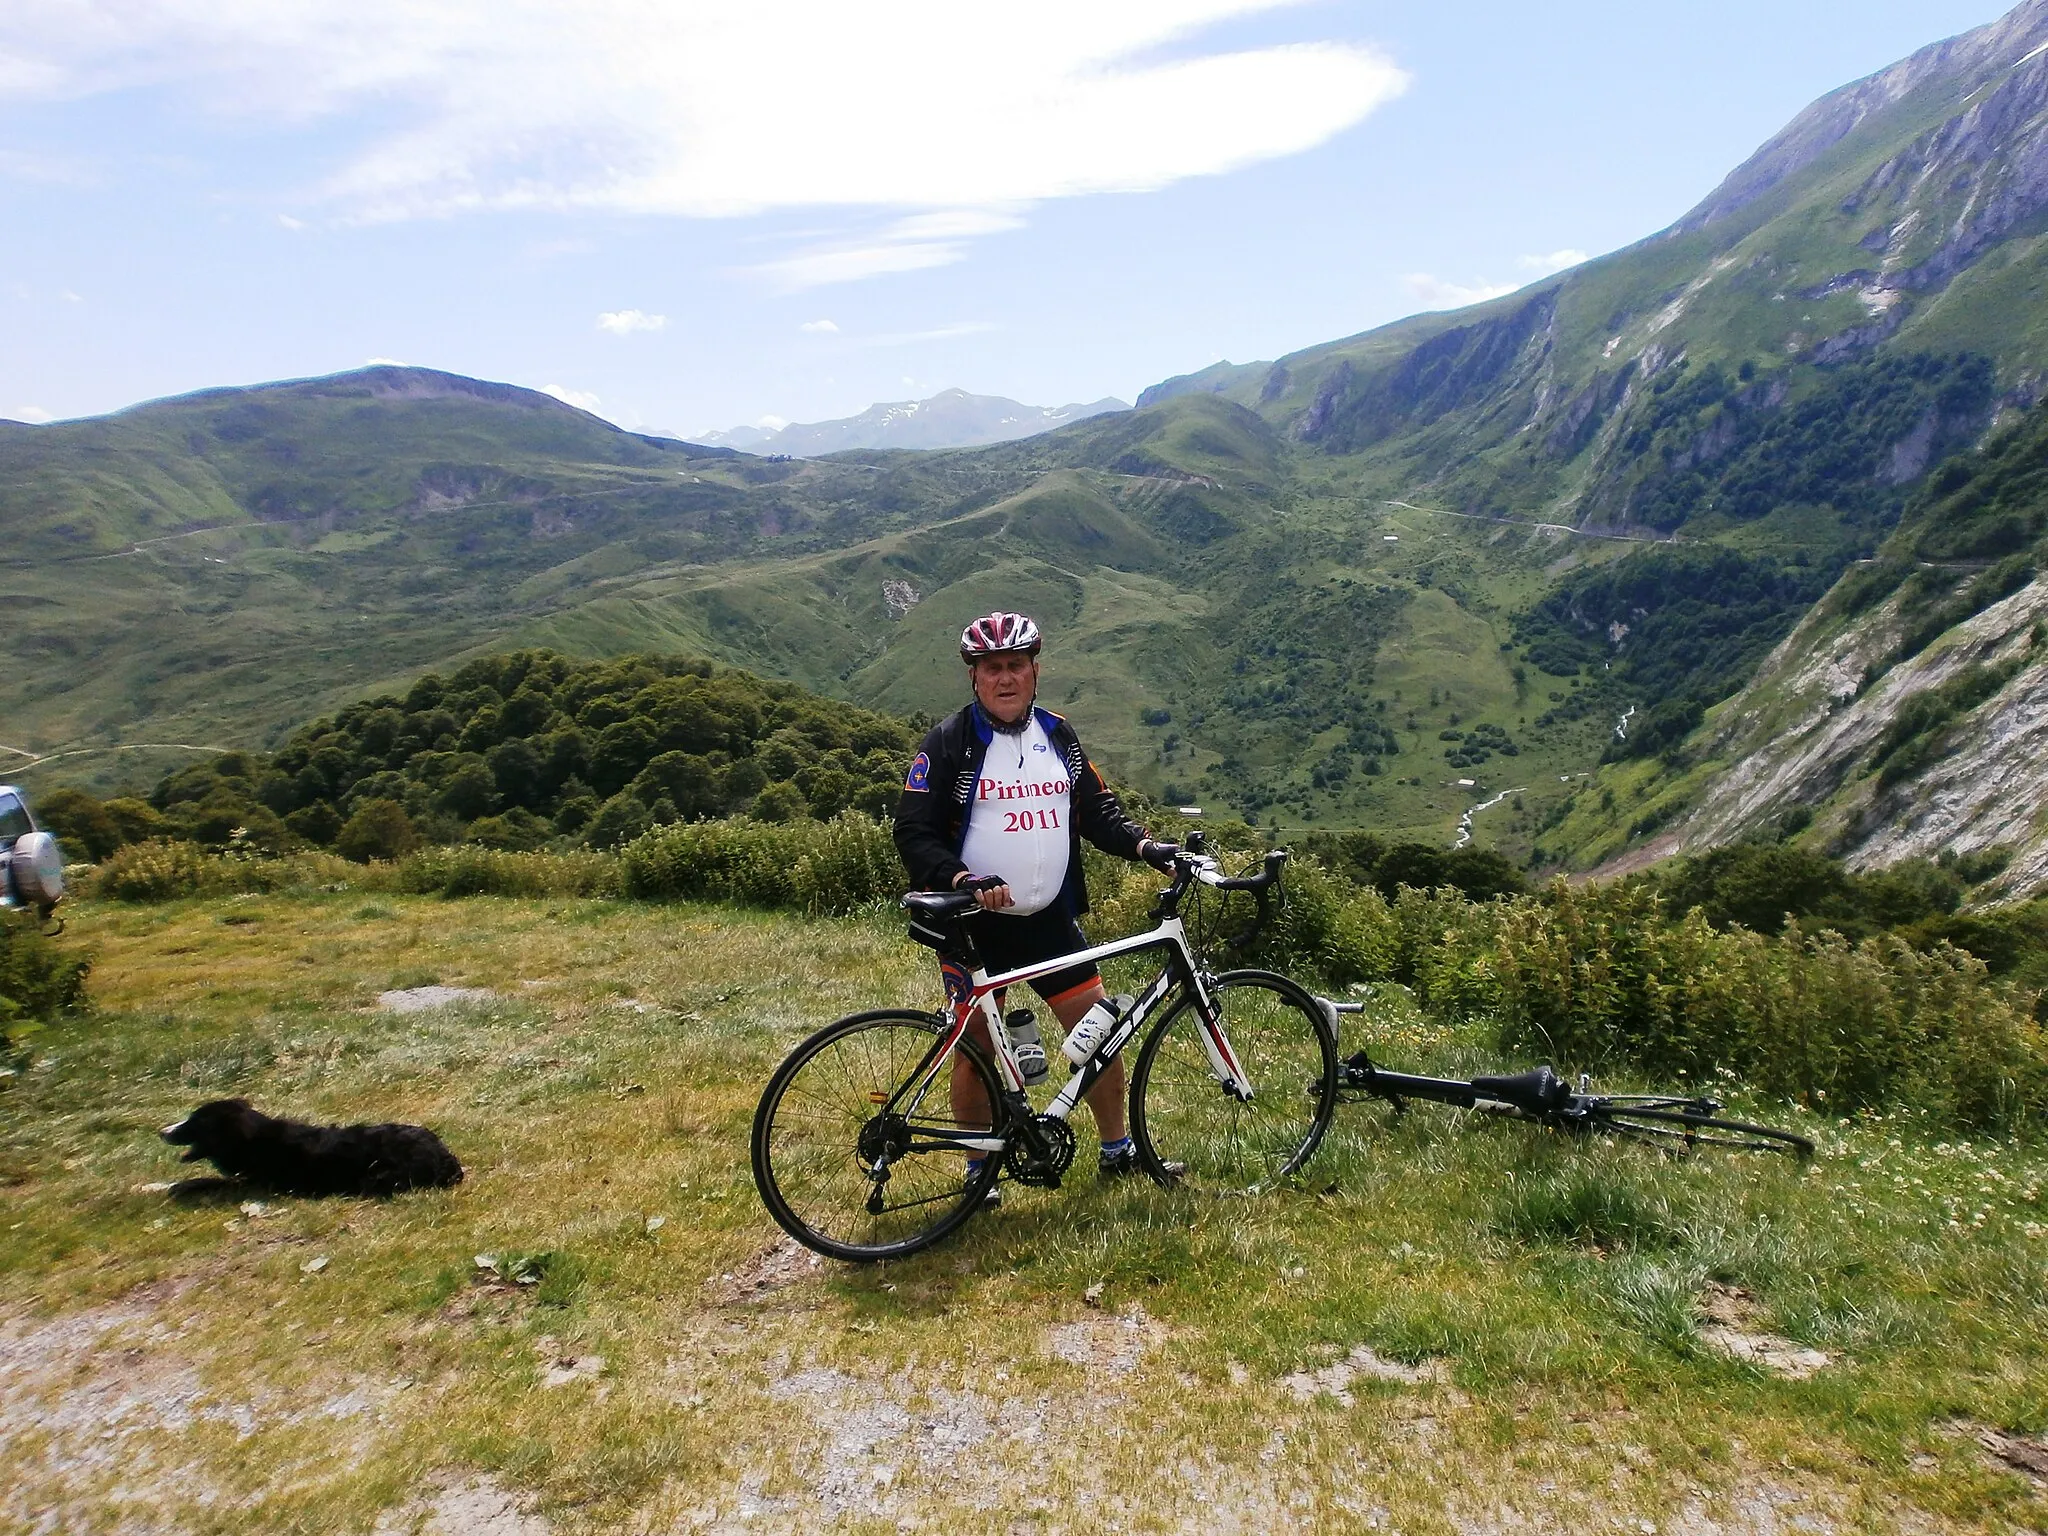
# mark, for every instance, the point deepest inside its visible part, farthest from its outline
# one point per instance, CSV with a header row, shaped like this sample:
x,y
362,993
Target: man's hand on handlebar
x,y
1159,855
990,892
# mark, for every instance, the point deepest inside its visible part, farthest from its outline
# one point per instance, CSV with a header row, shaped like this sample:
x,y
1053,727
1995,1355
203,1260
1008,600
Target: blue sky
x,y
692,215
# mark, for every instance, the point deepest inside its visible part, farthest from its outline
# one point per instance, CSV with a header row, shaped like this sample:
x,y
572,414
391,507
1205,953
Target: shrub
x,y
618,821
815,867
163,870
1595,977
38,979
470,870
379,829
80,824
158,870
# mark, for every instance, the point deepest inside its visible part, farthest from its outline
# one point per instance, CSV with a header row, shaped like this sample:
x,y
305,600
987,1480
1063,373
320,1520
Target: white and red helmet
x,y
997,634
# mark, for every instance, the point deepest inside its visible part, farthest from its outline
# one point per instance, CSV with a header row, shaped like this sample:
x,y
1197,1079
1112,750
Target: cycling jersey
x,y
1017,818
940,801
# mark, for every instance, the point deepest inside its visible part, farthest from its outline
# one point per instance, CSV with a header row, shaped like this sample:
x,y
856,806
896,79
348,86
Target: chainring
x,y
1041,1166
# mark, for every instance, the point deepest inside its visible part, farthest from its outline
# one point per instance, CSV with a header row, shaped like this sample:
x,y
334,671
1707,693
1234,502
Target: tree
x,y
79,822
619,820
316,823
780,802
379,829
469,792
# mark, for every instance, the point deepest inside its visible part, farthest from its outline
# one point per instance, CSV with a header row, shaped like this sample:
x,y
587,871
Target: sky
x,y
692,214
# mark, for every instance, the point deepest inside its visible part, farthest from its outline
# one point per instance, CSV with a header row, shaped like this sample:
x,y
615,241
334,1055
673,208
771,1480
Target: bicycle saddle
x,y
1536,1091
938,905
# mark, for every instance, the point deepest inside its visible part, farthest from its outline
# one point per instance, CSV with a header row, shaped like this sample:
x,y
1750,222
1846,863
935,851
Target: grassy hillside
x,y
1452,1323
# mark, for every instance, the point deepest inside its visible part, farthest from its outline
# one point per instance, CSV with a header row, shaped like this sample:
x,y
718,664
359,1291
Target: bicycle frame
x,y
1180,970
1361,1075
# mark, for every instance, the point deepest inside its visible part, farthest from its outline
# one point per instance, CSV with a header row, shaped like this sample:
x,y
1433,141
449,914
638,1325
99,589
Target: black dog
x,y
296,1159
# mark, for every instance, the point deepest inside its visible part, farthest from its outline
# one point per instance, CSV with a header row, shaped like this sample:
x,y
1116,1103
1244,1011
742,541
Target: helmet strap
x,y
1015,727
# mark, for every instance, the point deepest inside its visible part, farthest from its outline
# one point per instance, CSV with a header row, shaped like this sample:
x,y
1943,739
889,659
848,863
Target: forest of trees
x,y
521,751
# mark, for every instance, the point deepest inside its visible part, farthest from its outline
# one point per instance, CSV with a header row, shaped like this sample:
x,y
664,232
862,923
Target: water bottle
x,y
1091,1029
1026,1045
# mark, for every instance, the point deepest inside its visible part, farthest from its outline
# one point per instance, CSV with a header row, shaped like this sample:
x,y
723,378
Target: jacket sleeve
x,y
921,817
1100,817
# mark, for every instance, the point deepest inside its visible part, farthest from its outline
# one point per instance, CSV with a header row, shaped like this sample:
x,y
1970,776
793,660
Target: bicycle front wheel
x,y
832,1110
1680,1129
1191,1130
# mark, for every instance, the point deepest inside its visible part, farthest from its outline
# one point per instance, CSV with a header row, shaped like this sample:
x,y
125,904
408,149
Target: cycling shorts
x,y
1006,942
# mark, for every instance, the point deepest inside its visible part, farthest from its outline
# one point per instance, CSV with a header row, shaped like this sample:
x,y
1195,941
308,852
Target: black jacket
x,y
931,815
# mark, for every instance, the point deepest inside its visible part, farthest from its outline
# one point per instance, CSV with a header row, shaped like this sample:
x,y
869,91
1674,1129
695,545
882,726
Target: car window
x,y
14,819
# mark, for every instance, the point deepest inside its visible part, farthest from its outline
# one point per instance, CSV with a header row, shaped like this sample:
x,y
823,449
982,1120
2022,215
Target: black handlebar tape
x,y
1262,879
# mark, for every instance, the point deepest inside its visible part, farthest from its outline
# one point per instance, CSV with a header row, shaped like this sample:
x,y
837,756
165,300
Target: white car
x,y
31,867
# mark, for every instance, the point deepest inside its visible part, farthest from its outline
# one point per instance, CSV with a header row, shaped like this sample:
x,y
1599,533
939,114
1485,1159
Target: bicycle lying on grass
x,y
1677,1124
858,1154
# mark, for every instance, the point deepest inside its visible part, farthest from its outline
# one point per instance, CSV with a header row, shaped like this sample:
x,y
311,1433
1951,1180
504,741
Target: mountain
x,y
1553,572
950,419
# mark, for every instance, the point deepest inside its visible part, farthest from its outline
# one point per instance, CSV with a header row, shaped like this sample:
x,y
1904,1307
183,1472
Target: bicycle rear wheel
x,y
1676,1128
822,1123
1181,1114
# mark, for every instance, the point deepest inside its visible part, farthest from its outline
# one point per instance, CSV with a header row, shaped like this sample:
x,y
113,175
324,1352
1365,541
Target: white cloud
x,y
34,415
582,399
624,322
551,250
1556,261
906,245
1436,293
55,170
69,297
384,362
722,107
823,327
937,333
771,423
849,264
288,222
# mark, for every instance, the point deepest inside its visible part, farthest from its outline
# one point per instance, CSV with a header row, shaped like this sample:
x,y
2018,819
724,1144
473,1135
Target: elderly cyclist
x,y
1002,789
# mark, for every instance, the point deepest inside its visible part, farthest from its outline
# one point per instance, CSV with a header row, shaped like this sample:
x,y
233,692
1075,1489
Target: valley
x,y
1368,585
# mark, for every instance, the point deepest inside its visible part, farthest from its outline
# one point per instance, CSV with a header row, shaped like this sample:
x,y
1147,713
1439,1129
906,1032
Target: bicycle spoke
x,y
1681,1131
1182,1114
826,1119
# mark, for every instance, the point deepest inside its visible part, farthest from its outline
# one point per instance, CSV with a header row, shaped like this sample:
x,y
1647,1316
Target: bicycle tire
x,y
806,1141
1679,1131
1181,1115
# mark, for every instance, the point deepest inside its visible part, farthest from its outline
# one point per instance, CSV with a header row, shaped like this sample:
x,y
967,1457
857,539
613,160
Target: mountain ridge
x,y
1376,582
953,418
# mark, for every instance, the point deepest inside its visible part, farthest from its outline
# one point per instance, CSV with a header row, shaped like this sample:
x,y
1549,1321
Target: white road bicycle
x,y
857,1151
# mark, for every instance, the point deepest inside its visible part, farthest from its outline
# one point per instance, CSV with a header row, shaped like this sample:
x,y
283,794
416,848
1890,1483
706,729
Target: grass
x,y
194,1363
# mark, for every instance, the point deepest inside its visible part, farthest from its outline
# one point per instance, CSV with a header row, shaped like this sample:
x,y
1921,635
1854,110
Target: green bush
x,y
379,829
158,870
164,870
817,867
470,870
38,978
80,823
1598,976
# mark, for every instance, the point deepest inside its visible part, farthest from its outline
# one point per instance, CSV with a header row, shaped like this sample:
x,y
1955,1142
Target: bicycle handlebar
x,y
1255,883
1194,866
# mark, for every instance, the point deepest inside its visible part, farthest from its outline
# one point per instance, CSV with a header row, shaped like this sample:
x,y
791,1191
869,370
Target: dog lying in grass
x,y
292,1158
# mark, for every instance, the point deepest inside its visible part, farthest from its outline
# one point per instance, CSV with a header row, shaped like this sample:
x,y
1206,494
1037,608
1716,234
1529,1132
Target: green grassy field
x,y
1450,1325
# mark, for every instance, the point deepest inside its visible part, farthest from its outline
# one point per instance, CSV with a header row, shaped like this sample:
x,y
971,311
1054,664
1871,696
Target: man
x,y
1001,788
